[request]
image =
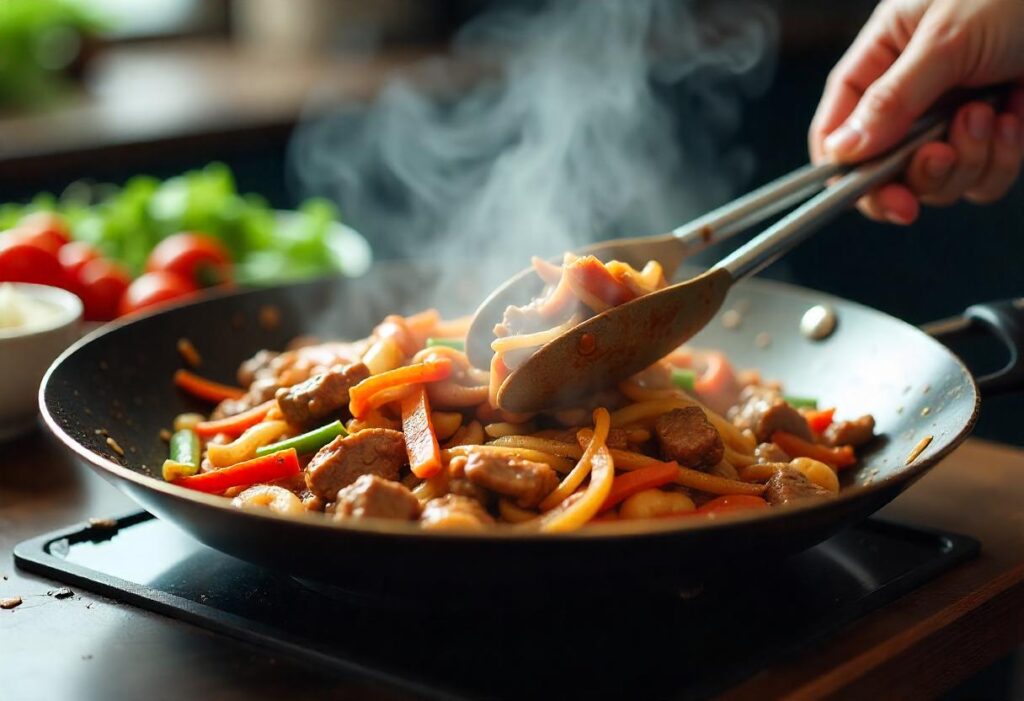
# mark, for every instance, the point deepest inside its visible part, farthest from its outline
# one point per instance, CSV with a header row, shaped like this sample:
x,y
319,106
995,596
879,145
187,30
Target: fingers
x,y
970,135
1003,162
870,55
892,102
930,168
893,203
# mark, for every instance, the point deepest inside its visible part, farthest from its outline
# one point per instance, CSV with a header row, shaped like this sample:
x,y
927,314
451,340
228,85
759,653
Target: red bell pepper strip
x,y
206,389
268,468
234,425
629,483
732,502
592,282
819,420
420,437
797,447
417,373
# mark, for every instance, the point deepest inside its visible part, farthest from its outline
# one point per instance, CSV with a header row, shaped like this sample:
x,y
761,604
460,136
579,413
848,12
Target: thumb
x,y
890,105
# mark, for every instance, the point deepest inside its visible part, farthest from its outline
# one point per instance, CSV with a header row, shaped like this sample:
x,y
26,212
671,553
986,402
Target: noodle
x,y
532,340
582,469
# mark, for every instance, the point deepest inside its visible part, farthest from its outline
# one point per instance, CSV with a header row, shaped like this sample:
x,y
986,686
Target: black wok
x,y
119,380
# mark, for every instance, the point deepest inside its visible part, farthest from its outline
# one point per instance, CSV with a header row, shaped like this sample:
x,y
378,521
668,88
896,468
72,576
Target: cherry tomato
x,y
74,255
25,262
154,288
44,229
101,284
196,257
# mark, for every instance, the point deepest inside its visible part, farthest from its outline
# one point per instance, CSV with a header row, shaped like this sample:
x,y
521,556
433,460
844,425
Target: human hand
x,y
908,54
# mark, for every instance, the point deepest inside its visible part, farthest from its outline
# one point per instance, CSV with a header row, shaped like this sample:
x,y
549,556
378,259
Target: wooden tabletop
x,y
918,646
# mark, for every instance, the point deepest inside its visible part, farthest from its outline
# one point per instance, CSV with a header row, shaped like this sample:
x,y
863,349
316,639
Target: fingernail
x,y
845,139
979,124
937,167
896,218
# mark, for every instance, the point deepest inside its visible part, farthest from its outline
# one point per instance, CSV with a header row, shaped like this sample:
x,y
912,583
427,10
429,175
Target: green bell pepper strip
x,y
185,455
456,343
307,442
684,379
801,402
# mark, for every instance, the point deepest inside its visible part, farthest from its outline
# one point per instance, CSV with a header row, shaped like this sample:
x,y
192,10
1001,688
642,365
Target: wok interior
x,y
119,384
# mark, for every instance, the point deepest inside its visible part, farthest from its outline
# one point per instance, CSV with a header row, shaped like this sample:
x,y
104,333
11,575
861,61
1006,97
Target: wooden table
x,y
91,647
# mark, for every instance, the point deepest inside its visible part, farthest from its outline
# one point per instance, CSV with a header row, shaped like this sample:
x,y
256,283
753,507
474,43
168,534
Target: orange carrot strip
x,y
420,437
206,389
797,447
234,425
630,483
427,371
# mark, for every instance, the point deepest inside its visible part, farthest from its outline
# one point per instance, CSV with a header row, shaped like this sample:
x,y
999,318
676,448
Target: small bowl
x,y
25,354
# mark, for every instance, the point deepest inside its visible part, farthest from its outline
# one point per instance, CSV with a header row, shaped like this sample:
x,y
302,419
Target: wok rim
x,y
619,530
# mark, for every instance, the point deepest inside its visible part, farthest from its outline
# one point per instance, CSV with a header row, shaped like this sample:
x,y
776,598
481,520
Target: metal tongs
x,y
625,339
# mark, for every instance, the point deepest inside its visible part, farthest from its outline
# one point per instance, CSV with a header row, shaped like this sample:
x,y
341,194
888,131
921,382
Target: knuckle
x,y
947,37
884,99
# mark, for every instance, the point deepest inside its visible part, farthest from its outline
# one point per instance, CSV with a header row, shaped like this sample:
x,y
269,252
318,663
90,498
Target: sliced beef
x,y
372,497
686,436
856,432
764,411
372,451
769,452
454,512
322,396
260,365
789,485
525,481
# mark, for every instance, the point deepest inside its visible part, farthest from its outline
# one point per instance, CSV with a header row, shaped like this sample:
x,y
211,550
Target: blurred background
x,y
396,109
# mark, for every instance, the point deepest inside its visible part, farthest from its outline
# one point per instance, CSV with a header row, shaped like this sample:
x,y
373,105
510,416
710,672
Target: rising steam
x,y
571,139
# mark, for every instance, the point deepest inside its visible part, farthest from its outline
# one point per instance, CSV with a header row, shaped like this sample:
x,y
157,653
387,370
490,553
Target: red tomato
x,y
196,257
154,288
101,284
24,262
74,255
44,229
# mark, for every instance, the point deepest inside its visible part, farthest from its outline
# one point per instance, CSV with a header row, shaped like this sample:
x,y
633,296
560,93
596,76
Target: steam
x,y
569,141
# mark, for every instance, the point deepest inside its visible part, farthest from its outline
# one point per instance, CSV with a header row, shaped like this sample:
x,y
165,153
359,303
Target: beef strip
x,y
260,365
463,487
322,396
769,452
764,411
372,497
789,485
525,481
454,512
856,432
686,436
372,451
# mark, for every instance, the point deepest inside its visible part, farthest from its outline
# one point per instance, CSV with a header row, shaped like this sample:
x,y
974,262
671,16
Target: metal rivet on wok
x,y
818,322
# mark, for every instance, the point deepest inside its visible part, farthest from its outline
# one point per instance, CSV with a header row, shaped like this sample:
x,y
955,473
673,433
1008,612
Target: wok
x,y
118,380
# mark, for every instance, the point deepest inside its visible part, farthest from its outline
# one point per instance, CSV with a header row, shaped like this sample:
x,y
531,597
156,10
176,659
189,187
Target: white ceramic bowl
x,y
25,354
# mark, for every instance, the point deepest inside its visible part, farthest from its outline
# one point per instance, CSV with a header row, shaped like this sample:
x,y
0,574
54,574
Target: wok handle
x,y
1003,319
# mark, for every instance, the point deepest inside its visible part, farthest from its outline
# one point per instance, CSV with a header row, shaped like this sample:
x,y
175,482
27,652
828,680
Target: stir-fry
x,y
401,426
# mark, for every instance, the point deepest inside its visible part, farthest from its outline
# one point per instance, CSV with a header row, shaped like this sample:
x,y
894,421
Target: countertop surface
x,y
87,646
